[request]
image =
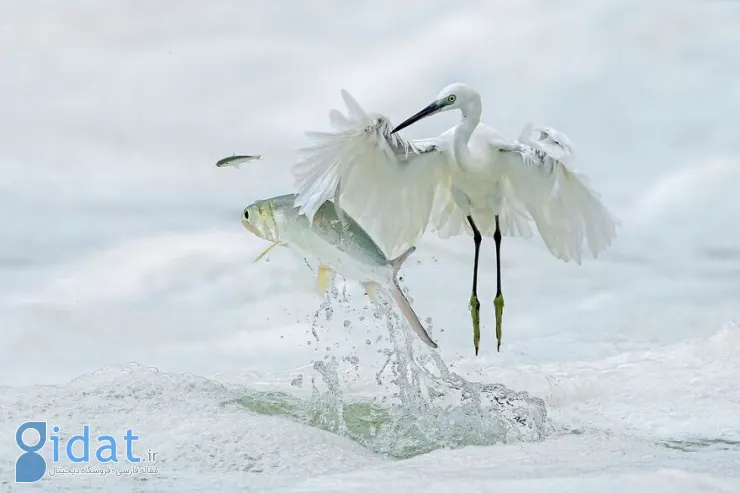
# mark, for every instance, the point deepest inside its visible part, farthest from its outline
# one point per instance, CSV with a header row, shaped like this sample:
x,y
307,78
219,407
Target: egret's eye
x,y
451,98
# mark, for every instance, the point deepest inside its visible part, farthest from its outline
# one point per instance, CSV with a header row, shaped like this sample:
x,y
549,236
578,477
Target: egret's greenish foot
x,y
474,303
498,305
475,313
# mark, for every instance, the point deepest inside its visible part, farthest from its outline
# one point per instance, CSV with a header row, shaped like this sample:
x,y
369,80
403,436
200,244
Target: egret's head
x,y
258,218
457,96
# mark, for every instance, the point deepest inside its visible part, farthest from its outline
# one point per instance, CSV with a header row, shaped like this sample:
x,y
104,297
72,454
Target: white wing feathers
x,y
550,141
393,186
383,181
566,210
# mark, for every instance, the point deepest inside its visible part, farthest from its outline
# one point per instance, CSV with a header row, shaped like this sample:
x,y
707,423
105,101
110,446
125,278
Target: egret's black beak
x,y
429,110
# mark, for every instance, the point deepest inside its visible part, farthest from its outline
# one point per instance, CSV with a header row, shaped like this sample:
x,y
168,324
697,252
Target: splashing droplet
x,y
420,404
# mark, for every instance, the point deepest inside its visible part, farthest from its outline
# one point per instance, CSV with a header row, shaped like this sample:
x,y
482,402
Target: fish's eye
x,y
451,98
246,214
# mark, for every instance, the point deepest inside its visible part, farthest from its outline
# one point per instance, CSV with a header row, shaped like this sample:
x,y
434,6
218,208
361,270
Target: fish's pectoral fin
x,y
325,275
371,288
266,250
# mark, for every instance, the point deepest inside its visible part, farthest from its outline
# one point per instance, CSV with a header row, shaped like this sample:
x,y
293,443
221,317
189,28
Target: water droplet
x,y
448,410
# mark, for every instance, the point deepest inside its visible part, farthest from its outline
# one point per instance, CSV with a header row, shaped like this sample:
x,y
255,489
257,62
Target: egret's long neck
x,y
470,119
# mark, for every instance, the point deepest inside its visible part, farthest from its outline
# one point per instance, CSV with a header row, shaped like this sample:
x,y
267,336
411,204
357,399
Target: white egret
x,y
469,179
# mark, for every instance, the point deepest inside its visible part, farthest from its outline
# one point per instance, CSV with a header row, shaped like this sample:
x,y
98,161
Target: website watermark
x,y
101,455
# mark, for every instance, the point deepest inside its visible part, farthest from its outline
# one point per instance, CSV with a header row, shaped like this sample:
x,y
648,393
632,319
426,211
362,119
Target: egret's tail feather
x,y
410,315
449,220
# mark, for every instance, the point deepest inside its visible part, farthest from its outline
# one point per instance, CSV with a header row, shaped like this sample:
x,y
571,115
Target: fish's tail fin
x,y
398,261
407,311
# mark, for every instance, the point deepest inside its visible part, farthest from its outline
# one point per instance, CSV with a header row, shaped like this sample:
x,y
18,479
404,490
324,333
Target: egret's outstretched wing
x,y
551,141
383,181
565,208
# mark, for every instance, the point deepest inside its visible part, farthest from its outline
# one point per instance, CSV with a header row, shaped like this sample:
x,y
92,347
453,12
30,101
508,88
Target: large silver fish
x,y
339,244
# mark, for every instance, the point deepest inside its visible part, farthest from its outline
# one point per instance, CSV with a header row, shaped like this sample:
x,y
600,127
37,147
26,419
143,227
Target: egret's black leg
x,y
498,301
474,303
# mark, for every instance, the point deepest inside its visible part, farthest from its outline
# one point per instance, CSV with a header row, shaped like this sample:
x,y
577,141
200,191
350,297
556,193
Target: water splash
x,y
421,407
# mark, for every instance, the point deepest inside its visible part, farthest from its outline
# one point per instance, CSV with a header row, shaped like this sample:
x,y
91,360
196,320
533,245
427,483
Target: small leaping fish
x,y
235,161
338,242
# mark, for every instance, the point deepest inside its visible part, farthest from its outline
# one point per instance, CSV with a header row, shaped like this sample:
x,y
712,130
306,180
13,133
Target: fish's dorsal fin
x,y
398,261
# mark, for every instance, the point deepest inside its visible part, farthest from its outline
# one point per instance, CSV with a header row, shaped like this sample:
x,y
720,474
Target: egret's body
x,y
469,179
